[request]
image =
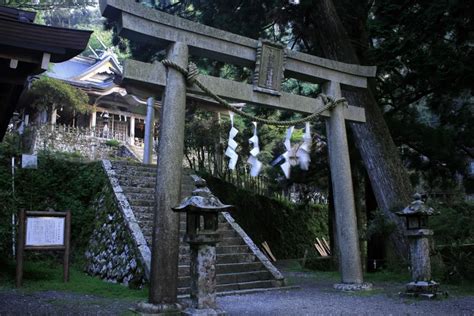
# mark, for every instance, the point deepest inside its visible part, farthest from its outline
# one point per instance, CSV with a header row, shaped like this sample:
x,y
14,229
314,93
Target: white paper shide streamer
x,y
232,144
253,160
303,151
286,166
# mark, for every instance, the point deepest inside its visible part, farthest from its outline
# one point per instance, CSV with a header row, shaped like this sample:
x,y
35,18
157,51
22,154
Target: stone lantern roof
x,y
202,200
417,207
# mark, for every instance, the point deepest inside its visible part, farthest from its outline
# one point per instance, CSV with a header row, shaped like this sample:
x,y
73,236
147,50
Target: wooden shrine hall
x,y
26,49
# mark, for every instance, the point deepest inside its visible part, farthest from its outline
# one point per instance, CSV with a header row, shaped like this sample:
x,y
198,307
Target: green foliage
x,y
202,135
379,226
47,275
47,93
112,143
102,37
70,17
57,184
288,228
48,4
454,236
317,263
8,148
423,52
454,224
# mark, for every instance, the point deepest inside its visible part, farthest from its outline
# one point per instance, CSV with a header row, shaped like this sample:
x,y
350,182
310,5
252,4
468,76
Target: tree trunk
x,y
387,175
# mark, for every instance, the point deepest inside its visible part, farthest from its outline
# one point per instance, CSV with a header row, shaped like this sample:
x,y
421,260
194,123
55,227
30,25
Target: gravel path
x,y
315,297
318,298
15,302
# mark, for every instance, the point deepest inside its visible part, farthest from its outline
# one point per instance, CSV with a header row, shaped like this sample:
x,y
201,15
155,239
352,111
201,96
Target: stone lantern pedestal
x,y
422,285
202,211
416,215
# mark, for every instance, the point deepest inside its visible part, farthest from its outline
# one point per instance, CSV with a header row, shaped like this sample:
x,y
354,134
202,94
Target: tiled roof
x,y
18,32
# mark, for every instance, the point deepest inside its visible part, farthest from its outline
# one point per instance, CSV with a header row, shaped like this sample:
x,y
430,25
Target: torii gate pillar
x,y
165,245
346,222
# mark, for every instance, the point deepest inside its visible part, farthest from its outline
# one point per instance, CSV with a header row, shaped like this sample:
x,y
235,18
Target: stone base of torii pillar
x,y
144,308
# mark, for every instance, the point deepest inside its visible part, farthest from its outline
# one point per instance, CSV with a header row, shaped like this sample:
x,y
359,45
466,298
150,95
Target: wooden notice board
x,y
40,231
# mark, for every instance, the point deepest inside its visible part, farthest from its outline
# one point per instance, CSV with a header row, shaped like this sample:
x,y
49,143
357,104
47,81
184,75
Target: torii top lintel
x,y
138,22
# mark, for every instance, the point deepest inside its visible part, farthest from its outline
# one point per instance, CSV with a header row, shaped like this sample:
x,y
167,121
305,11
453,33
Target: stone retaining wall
x,y
111,253
76,140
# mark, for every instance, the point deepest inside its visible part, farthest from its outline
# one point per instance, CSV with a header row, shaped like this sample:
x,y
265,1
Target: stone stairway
x,y
240,264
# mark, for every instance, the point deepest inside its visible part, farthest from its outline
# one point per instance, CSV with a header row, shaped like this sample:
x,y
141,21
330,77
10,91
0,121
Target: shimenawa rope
x,y
192,74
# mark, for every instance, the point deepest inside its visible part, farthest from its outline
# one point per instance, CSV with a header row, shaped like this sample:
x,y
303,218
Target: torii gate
x,y
182,37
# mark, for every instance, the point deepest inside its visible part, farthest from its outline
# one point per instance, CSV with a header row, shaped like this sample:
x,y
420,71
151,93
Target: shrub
x,y
59,184
112,143
454,239
288,228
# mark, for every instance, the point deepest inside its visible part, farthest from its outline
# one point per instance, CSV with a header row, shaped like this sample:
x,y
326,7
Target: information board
x,y
29,161
45,231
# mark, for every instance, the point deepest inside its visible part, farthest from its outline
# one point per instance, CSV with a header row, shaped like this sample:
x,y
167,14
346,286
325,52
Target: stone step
x,y
233,249
184,249
135,171
224,268
136,175
140,182
144,209
133,165
230,278
141,202
132,189
144,218
245,285
226,236
231,241
138,167
224,258
221,225
227,233
140,196
235,286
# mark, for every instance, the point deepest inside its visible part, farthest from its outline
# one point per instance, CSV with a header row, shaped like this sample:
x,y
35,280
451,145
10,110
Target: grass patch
x,y
463,289
48,276
385,276
295,274
385,282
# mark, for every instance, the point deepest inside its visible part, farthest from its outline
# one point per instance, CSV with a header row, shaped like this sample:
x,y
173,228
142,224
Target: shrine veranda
x,y
272,62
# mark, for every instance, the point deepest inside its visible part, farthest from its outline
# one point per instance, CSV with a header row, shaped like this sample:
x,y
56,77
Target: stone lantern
x,y
418,233
105,118
202,211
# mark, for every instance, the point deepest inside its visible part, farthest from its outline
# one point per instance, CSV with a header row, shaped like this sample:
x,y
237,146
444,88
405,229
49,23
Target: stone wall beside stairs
x,y
111,253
